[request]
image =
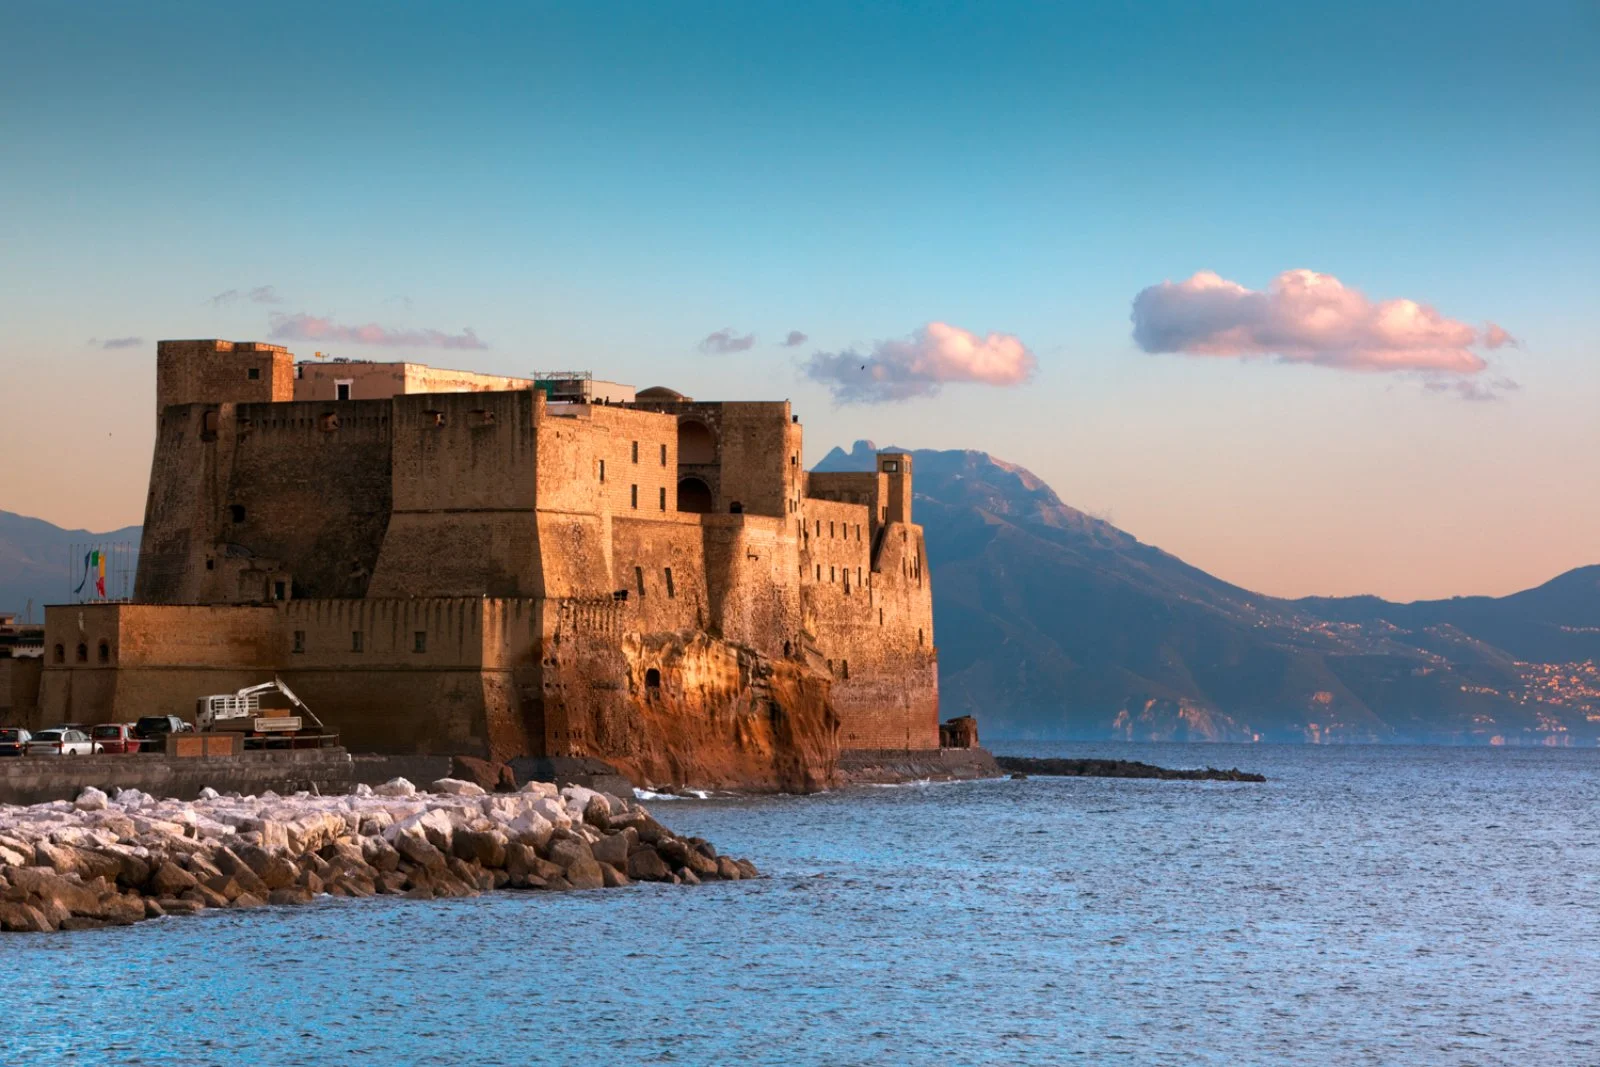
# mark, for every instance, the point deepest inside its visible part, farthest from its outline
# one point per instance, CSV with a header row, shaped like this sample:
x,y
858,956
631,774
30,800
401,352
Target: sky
x,y
1303,294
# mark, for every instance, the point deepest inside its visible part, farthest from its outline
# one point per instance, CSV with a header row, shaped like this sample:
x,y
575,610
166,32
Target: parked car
x,y
114,738
152,730
59,741
13,741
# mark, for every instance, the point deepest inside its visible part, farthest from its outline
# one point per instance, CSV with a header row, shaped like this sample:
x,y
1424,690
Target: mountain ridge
x,y
1054,624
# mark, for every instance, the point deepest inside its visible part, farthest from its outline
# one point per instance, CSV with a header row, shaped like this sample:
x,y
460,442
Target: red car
x,y
114,738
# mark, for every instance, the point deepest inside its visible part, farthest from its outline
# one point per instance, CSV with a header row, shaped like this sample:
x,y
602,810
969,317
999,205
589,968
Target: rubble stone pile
x,y
100,860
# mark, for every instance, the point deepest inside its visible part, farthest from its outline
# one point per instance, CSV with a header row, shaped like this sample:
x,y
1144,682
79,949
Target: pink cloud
x,y
1306,317
920,365
1496,337
303,327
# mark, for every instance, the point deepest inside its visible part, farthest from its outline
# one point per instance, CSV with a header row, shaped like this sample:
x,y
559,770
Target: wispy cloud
x,y
920,365
116,342
725,340
1474,389
794,340
261,294
1306,317
304,327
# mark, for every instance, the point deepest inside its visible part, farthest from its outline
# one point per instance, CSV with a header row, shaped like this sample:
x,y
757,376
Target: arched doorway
x,y
694,495
696,443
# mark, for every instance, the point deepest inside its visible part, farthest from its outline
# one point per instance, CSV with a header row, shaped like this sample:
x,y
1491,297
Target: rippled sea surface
x,y
1375,905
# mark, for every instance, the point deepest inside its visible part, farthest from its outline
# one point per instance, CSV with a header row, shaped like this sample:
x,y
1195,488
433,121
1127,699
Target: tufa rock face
x,y
700,711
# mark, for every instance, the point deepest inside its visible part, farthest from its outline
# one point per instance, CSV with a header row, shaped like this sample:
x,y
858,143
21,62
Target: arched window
x,y
61,654
694,496
696,444
736,508
652,679
105,652
83,653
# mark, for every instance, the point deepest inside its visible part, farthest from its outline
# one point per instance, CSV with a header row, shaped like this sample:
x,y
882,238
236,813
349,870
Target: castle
x,y
447,562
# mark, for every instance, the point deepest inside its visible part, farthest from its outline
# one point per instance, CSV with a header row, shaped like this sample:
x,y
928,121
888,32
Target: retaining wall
x,y
37,779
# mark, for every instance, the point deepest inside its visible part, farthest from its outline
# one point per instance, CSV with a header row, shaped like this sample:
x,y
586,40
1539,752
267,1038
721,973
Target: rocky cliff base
x,y
101,861
888,766
1119,768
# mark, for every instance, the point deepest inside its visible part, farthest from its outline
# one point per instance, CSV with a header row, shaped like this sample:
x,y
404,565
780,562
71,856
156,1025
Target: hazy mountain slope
x,y
33,560
1051,623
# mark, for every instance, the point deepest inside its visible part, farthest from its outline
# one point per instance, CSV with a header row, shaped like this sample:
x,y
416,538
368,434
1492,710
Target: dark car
x,y
152,730
13,741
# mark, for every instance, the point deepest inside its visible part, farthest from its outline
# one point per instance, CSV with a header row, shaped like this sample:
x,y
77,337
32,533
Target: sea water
x,y
1364,906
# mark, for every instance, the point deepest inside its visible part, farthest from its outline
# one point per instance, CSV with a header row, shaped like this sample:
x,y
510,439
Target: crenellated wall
x,y
481,570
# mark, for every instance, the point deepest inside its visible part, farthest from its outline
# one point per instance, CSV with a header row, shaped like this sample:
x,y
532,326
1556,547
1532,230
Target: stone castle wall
x,y
486,571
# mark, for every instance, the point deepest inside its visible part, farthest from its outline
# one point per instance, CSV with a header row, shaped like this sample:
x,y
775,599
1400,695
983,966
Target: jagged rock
x,y
122,909
569,850
180,906
487,848
248,900
686,876
457,788
646,865
23,918
153,909
295,894
211,897
414,845
489,776
613,877
91,799
728,870
395,787
614,848
747,869
170,880
597,812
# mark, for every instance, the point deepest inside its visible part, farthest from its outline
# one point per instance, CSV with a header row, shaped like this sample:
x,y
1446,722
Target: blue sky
x,y
605,186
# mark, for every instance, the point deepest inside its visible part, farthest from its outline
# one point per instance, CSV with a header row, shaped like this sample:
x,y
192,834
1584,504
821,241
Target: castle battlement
x,y
376,525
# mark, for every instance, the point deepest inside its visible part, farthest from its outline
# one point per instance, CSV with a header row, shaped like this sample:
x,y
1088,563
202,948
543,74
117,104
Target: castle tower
x,y
895,468
222,372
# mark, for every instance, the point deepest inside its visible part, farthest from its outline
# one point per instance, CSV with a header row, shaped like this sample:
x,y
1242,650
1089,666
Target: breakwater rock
x,y
1119,768
101,860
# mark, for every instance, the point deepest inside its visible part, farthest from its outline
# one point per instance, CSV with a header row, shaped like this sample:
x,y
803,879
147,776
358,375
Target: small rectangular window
x,y
890,466
831,574
663,498
357,640
830,528
663,455
341,390
236,512
602,470
299,641
279,590
672,590
634,493
844,669
255,374
819,572
858,531
636,451
638,580
419,641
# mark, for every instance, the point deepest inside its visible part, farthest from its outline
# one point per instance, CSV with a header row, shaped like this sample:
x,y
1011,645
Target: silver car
x,y
60,742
